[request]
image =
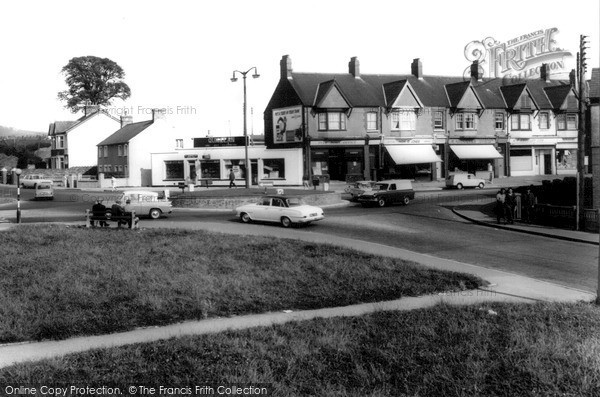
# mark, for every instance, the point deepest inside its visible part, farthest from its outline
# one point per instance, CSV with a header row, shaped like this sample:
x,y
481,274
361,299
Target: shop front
x,y
479,159
344,162
418,161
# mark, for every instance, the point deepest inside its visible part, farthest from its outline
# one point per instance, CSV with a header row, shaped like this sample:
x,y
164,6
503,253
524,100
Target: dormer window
x,y
332,121
404,120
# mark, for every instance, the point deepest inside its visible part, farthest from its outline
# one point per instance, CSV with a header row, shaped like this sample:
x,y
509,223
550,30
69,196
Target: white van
x,y
44,190
460,181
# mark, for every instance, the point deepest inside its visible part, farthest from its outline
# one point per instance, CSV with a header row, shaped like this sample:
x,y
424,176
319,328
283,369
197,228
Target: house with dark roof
x,y
126,153
74,142
369,126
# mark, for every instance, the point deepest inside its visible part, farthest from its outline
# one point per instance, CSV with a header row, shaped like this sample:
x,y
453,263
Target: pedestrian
x,y
99,210
510,202
529,202
231,178
305,181
500,205
113,182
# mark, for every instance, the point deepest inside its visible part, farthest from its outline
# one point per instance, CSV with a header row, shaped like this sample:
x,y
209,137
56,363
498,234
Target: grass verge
x,y
65,281
523,350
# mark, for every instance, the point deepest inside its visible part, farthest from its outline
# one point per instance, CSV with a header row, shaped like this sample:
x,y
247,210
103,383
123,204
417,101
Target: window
x,y
567,121
173,169
105,151
60,142
125,150
525,102
120,150
332,121
179,143
211,169
372,121
125,170
544,121
404,120
499,121
466,121
520,122
438,120
99,151
274,168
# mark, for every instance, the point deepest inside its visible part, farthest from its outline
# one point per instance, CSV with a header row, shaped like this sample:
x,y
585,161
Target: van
x,y
460,181
44,190
387,192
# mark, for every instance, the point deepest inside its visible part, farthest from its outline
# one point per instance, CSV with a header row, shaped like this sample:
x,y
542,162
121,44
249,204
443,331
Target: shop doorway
x,y
336,165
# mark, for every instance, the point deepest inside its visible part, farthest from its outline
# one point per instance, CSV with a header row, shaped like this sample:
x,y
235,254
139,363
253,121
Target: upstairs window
x,y
438,120
120,150
466,121
404,120
567,121
332,121
499,121
371,121
544,120
179,143
520,122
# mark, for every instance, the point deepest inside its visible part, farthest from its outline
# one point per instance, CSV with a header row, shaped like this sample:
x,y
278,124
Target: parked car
x,y
145,203
30,180
44,190
460,181
388,192
357,188
282,209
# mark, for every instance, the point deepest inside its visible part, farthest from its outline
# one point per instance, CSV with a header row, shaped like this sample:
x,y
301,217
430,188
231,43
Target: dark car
x,y
388,192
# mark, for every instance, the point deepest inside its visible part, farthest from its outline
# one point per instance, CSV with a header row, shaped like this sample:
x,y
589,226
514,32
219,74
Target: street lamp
x,y
18,173
233,80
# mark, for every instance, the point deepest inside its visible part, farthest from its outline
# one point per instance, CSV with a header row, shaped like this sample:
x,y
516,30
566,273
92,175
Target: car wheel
x,y
381,202
286,222
245,217
155,213
481,185
405,200
459,186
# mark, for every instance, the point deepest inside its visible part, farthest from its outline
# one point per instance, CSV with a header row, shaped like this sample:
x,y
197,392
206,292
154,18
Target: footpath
x,y
503,287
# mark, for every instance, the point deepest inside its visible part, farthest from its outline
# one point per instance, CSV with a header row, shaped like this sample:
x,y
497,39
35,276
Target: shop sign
x,y
336,143
215,141
287,125
516,142
518,58
190,156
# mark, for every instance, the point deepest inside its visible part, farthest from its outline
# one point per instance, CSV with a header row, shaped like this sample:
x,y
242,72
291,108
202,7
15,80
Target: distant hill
x,y
9,131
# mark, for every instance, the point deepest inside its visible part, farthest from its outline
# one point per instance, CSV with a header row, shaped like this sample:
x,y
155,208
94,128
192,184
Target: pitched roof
x,y
456,92
557,95
126,133
595,83
512,93
325,88
60,127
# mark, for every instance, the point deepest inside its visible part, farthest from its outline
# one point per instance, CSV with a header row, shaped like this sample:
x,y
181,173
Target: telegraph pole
x,y
581,69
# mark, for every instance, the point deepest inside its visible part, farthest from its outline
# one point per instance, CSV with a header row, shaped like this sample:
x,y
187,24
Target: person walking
x,y
500,205
231,178
510,202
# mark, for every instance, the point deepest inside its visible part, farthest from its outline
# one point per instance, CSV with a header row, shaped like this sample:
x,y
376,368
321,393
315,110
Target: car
x,y
44,190
357,188
280,208
144,203
31,180
460,181
388,192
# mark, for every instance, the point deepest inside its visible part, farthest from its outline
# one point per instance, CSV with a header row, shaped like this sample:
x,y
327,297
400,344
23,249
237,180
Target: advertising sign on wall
x,y
287,125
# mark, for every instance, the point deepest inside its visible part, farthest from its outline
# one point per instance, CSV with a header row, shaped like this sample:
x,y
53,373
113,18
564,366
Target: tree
x,y
93,81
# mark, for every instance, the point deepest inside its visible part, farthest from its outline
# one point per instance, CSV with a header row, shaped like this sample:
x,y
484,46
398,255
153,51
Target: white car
x,y
144,203
281,209
31,180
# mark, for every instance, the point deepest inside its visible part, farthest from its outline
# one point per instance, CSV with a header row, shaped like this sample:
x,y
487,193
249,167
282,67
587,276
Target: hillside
x,y
12,132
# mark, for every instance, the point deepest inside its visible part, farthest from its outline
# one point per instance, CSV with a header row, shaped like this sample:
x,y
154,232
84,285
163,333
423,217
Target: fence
x,y
566,217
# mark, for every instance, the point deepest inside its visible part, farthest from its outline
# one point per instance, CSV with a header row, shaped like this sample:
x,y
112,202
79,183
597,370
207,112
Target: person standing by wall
x,y
510,203
500,205
529,202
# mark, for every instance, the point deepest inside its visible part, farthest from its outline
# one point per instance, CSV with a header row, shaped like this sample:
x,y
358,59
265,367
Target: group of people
x,y
117,210
506,204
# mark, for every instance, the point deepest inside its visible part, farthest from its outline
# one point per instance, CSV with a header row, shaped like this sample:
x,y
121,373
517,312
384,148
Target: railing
x,y
591,220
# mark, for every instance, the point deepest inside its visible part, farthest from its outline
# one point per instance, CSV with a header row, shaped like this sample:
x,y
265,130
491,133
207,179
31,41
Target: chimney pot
x,y
572,78
476,74
126,119
545,72
158,114
416,68
286,67
354,67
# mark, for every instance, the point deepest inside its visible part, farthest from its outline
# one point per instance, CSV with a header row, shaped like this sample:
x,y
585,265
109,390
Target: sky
x,y
180,55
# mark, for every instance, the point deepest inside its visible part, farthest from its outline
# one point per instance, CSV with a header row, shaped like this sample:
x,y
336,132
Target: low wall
x,y
183,201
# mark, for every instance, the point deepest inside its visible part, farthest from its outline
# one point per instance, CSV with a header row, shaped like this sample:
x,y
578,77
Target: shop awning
x,y
471,152
412,154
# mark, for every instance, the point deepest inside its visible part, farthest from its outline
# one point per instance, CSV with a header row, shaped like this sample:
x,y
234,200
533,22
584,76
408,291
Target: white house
x,y
74,142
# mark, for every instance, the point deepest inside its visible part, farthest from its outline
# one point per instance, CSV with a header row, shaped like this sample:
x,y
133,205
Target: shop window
x,y
466,121
520,122
499,121
274,168
438,120
174,169
567,121
566,159
404,120
211,169
544,120
332,121
371,121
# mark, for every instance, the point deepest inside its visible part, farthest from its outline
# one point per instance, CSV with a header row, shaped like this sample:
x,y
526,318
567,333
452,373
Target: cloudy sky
x,y
181,54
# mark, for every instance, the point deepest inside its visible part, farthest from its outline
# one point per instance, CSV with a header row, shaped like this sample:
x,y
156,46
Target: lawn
x,y
537,350
61,281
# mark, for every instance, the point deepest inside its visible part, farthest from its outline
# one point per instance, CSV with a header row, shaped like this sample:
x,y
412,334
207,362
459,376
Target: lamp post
x,y
18,174
234,79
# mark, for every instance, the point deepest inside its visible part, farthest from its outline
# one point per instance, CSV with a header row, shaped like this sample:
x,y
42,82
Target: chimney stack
x,y
158,114
286,67
354,67
545,72
90,109
476,74
126,119
416,68
572,78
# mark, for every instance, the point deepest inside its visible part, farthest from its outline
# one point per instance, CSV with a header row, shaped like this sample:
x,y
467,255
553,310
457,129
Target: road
x,y
426,226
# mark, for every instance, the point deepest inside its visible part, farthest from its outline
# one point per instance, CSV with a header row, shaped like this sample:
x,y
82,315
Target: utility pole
x,y
581,69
